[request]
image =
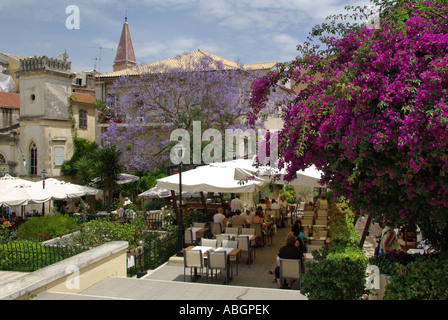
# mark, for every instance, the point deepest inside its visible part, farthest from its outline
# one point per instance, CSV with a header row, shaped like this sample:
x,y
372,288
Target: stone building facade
x,y
51,115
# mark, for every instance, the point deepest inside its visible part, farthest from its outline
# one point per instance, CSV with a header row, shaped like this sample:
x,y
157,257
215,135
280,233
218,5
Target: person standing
x,y
236,204
389,239
283,205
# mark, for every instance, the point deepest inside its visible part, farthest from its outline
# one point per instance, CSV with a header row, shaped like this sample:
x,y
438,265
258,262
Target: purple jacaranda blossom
x,y
168,96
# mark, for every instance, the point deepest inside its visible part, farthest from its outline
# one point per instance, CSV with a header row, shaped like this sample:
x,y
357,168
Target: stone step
x,y
115,288
7,276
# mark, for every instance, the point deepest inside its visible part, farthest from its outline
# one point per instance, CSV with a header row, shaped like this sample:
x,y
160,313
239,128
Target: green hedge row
x,y
340,270
414,276
47,227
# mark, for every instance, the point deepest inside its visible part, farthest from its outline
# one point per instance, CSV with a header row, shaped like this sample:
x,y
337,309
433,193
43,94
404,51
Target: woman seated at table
x,y
219,217
258,217
297,230
292,250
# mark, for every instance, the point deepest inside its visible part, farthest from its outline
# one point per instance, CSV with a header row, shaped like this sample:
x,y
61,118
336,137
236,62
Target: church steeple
x,y
125,57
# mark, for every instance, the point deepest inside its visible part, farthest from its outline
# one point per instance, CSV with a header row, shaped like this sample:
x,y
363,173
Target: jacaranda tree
x,y
372,113
171,95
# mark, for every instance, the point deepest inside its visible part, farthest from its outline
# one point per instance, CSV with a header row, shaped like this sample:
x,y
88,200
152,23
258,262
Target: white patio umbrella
x,y
126,178
209,179
157,192
244,169
25,194
8,182
70,189
122,178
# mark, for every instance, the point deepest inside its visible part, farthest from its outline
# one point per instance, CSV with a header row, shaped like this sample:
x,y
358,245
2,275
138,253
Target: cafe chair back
x,y
209,242
217,260
193,260
289,269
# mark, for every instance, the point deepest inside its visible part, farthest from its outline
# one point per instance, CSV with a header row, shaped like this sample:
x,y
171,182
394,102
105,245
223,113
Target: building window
x,y
33,159
7,118
3,165
82,119
58,155
112,101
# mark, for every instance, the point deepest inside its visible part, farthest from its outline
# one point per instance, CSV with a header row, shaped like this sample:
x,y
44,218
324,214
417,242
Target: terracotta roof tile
x,y
83,98
10,100
176,62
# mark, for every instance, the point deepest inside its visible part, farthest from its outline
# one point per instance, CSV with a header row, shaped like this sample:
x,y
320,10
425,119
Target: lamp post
x,y
43,175
180,224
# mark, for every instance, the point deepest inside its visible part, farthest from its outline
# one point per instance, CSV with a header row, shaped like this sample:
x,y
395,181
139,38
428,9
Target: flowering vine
x,y
371,112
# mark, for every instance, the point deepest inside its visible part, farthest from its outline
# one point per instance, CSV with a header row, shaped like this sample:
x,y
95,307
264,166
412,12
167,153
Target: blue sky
x,y
247,31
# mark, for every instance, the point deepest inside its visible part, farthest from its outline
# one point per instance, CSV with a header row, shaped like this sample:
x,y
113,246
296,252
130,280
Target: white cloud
x,y
286,45
256,14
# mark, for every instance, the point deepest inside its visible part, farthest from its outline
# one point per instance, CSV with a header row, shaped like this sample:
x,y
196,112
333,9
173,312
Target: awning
x,y
157,192
245,170
209,179
25,194
71,190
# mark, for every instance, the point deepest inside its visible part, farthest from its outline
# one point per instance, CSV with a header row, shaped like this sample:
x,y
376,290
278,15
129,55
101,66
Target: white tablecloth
x,y
414,251
194,230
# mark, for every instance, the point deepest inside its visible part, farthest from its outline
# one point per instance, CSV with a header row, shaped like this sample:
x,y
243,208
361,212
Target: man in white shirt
x,y
275,205
236,204
249,216
283,204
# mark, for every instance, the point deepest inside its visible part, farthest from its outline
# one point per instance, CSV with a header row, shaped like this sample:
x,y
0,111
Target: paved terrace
x,y
166,282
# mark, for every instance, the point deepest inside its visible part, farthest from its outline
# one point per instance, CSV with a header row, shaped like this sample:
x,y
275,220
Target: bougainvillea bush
x,y
372,113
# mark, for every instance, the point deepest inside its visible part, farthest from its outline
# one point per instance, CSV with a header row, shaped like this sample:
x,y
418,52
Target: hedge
x,y
340,270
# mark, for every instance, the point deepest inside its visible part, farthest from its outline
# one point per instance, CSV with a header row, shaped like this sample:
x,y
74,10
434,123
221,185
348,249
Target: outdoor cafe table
x,y
321,240
197,230
231,252
252,237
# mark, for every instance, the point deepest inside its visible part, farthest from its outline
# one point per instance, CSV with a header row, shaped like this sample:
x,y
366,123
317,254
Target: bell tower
x,y
45,115
125,57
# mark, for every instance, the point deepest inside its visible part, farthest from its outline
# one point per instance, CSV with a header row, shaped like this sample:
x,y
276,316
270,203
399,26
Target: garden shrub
x,y
340,275
289,193
388,262
339,272
161,246
28,256
7,234
154,204
425,278
414,276
100,231
47,227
